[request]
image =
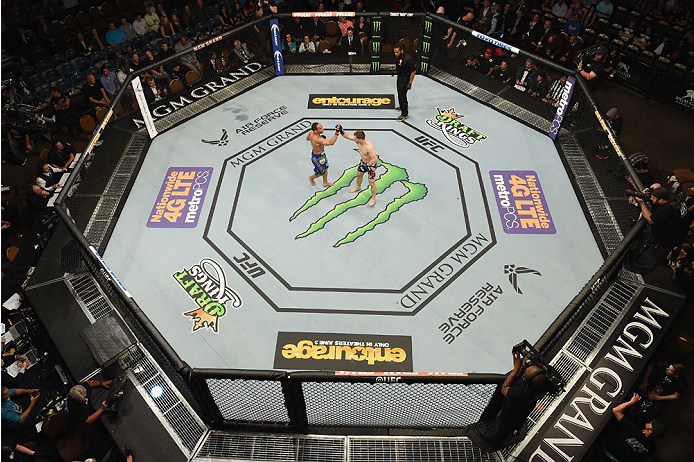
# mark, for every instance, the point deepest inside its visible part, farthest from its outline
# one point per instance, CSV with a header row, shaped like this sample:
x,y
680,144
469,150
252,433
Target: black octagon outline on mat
x,y
410,283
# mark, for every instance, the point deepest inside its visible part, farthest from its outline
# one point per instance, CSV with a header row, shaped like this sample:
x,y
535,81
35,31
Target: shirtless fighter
x,y
318,158
367,164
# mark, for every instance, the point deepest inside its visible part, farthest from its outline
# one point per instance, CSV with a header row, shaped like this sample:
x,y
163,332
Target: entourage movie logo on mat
x,y
456,133
206,284
180,198
522,204
393,175
344,352
350,101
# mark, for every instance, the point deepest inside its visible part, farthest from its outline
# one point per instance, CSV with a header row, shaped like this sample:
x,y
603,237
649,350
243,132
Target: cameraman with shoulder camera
x,y
521,390
591,66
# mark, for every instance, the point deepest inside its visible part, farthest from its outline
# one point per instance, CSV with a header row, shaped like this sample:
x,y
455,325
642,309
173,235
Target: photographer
x,y
521,390
632,440
591,66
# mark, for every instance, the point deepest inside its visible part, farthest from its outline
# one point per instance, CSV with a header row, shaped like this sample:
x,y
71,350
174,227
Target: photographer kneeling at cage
x,y
666,229
523,386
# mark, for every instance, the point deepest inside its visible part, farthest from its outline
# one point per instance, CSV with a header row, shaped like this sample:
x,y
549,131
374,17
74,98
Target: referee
x,y
406,71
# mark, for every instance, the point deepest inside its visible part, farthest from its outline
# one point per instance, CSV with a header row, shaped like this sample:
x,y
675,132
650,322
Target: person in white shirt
x,y
140,25
152,19
48,177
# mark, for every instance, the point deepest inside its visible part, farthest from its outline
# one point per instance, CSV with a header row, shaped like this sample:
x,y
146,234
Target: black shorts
x,y
370,169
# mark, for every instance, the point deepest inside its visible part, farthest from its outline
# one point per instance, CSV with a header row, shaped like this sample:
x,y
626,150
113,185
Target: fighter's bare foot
x,y
372,202
328,184
313,183
353,190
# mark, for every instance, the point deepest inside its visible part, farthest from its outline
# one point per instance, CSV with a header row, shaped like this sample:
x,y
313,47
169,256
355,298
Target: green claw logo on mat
x,y
393,175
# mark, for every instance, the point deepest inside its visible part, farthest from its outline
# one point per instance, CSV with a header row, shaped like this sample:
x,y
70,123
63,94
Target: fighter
x,y
318,158
368,164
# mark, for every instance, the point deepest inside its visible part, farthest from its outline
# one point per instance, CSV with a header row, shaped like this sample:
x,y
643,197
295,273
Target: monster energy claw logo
x,y
425,47
427,27
393,175
456,132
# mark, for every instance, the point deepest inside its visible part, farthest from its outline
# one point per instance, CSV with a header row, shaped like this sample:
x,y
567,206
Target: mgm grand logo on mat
x,y
206,284
344,352
457,133
350,101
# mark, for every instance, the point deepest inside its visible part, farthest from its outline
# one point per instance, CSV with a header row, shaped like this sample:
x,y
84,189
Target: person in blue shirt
x,y
114,36
13,416
109,82
573,26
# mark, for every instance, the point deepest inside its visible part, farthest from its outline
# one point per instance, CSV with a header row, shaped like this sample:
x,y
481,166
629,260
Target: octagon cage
x,y
90,204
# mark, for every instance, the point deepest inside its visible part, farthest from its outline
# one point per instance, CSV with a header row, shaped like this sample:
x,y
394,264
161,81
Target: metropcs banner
x,y
180,199
562,108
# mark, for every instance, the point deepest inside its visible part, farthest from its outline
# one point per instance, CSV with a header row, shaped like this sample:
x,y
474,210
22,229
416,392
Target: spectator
x,y
518,28
96,42
187,18
664,47
44,32
538,87
135,63
289,45
555,91
632,441
140,25
610,66
525,76
224,17
503,73
535,30
628,32
177,24
643,41
484,17
592,68
166,30
25,44
199,13
61,156
472,63
615,120
680,51
486,62
20,143
13,416
350,44
604,9
560,8
82,46
663,381
307,46
268,6
364,43
157,72
362,26
345,24
495,23
217,64
78,409
95,93
47,178
316,30
152,19
127,29
190,60
546,6
61,104
588,19
153,91
681,261
573,25
161,12
114,36
575,9
172,68
539,41
109,82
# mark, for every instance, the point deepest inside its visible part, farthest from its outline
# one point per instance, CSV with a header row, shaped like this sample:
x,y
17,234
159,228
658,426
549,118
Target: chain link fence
x,y
217,67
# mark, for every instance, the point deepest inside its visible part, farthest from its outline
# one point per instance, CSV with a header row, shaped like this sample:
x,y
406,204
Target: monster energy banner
x,y
343,352
571,429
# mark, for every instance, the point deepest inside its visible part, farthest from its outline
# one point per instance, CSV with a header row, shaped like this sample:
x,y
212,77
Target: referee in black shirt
x,y
404,67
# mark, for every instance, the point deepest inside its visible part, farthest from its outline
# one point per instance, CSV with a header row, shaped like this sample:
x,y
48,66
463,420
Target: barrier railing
x,y
297,400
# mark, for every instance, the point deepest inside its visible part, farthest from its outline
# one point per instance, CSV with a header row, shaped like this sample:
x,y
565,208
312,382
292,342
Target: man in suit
x,y
350,42
525,76
517,28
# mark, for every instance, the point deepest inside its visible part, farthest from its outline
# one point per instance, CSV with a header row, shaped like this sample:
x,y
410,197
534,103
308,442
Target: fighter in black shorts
x,y
368,164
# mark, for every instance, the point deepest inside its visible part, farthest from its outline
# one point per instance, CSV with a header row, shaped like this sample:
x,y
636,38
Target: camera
x,y
531,357
589,53
645,195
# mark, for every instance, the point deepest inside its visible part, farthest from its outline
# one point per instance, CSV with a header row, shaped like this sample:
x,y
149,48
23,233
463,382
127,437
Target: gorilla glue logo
x,y
456,133
206,284
393,175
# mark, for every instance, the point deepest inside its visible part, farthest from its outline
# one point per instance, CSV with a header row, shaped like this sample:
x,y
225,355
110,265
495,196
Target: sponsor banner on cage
x,y
350,101
180,198
495,42
562,107
323,14
343,352
147,119
277,59
522,204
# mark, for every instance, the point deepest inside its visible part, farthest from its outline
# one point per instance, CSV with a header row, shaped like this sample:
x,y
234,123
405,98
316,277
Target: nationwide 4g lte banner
x,y
522,204
180,199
